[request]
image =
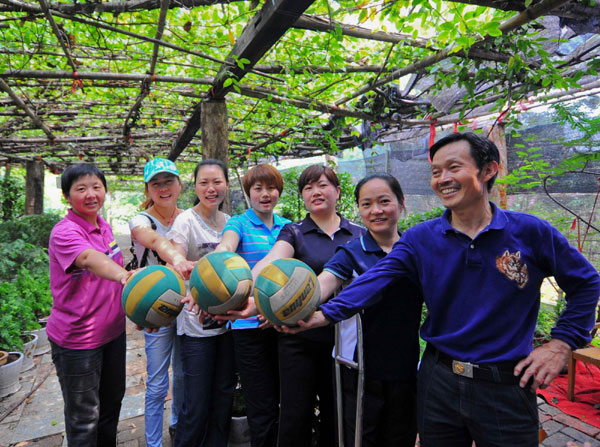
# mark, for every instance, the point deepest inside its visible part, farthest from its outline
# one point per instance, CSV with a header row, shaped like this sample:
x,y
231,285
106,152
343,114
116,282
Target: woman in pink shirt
x,y
87,325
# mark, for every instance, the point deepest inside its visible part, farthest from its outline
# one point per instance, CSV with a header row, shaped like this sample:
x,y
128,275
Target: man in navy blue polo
x,y
480,270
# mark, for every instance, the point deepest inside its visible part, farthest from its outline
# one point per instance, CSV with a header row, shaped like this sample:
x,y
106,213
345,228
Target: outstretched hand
x,y
316,320
184,268
249,310
125,276
191,304
543,364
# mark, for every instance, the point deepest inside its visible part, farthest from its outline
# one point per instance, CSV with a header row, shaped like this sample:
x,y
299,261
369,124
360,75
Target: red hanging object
x,y
455,128
431,136
76,83
249,152
80,157
503,114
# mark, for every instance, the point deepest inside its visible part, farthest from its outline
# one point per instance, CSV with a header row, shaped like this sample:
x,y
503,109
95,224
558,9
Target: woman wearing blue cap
x,y
148,230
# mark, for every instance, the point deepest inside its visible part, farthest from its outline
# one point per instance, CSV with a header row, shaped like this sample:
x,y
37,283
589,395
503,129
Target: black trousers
x,y
92,382
257,362
306,373
389,411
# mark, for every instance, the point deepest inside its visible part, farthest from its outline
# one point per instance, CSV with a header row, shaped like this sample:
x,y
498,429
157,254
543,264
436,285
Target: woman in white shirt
x,y
207,347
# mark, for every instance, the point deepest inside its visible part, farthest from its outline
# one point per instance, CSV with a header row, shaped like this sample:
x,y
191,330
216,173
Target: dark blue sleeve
x,y
341,264
365,290
581,284
288,234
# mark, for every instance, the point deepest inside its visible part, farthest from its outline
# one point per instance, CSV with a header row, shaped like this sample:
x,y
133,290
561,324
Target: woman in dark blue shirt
x,y
390,327
305,362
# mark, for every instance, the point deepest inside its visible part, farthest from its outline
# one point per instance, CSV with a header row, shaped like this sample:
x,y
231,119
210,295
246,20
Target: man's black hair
x,y
76,171
483,150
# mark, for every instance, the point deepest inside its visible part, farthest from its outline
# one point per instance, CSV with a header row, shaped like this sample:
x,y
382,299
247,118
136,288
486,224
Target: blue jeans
x,y
209,379
454,411
92,382
161,347
256,358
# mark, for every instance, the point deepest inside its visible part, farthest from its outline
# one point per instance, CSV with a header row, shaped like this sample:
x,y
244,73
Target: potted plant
x,y
9,374
10,338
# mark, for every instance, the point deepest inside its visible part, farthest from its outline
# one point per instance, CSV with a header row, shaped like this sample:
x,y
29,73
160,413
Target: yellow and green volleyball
x,y
287,291
221,281
152,297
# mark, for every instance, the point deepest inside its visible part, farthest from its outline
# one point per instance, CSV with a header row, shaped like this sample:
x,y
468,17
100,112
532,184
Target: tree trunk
x,y
215,140
34,187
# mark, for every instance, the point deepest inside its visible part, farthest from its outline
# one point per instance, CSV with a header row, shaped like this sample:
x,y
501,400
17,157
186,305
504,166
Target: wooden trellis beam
x,y
101,76
134,112
573,9
511,24
129,6
19,6
19,102
318,69
315,23
62,39
261,33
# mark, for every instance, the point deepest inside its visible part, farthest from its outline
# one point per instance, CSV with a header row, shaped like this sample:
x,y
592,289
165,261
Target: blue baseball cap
x,y
157,166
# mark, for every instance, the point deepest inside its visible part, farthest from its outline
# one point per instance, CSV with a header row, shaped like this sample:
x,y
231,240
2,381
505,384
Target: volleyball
x,y
287,291
221,281
152,297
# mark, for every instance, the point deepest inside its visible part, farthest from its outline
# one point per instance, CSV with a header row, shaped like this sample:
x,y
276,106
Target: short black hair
x,y
76,171
313,173
388,178
483,150
212,162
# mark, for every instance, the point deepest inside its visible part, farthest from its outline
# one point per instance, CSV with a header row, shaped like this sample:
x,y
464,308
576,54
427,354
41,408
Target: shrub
x,y
17,254
12,193
414,219
34,229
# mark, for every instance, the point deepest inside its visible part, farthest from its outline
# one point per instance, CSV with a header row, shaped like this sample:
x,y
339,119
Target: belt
x,y
501,372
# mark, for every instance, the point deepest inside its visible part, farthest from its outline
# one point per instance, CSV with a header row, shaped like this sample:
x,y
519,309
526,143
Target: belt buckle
x,y
462,368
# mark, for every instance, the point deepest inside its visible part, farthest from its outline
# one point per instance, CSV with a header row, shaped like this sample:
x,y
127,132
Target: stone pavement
x,y
36,419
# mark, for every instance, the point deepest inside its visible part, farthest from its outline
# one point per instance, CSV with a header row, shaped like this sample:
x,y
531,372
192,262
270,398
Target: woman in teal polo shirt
x,y
252,235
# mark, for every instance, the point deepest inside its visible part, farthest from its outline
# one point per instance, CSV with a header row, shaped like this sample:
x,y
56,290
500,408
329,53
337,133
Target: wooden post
x,y
215,137
34,187
498,136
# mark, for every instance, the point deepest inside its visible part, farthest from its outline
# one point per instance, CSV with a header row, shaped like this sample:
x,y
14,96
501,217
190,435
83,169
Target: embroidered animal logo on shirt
x,y
513,268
